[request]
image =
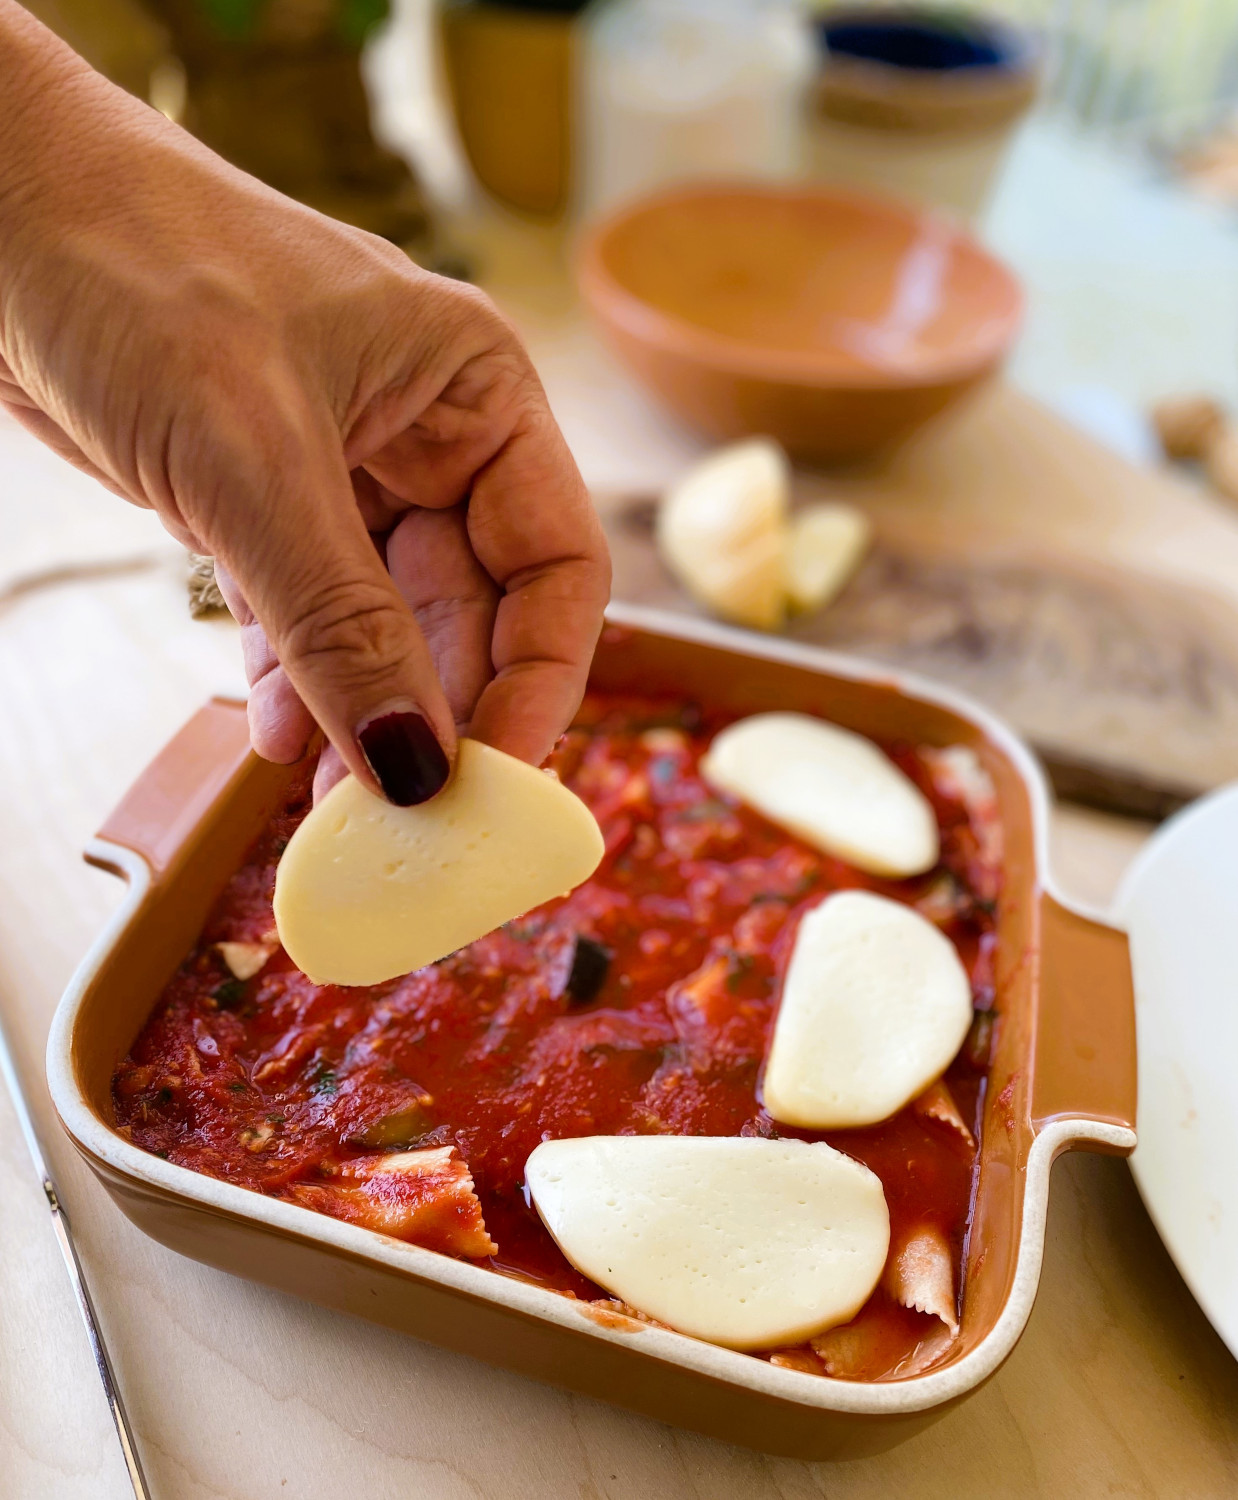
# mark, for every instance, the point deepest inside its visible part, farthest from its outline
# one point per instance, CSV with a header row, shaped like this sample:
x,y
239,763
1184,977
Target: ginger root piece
x,y
1221,462
1188,425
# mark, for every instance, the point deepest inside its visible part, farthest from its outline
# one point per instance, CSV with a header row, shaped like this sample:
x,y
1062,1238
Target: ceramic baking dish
x,y
1063,1074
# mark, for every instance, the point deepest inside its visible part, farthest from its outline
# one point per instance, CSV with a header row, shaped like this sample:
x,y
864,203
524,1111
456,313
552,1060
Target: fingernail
x,y
405,756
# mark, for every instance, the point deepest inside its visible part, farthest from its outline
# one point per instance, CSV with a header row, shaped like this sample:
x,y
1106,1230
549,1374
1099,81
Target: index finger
x,y
533,528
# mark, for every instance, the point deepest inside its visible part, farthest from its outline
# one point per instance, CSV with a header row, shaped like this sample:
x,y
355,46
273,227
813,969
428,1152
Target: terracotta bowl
x,y
833,322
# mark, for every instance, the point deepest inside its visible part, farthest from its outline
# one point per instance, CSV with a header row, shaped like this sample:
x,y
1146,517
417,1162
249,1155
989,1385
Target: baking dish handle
x,y
1085,1030
172,795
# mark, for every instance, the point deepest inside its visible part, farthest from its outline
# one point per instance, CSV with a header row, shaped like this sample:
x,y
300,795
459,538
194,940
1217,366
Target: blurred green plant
x,y
232,18
354,20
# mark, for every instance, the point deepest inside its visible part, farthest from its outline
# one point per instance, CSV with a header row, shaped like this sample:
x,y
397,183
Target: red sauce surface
x,y
267,1083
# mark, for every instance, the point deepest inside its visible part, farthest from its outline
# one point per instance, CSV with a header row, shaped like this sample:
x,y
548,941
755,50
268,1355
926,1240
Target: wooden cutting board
x,y
1092,604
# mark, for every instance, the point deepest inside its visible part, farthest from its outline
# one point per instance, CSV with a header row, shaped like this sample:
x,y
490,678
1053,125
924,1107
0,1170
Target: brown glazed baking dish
x,y
1063,1073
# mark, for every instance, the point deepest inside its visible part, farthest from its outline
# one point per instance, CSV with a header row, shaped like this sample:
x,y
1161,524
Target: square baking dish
x,y
1062,1076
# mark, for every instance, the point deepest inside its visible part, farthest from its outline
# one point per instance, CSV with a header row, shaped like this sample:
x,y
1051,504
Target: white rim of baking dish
x,y
914,1393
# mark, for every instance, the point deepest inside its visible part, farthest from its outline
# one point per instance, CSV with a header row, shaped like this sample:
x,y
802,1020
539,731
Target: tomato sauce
x,y
275,1083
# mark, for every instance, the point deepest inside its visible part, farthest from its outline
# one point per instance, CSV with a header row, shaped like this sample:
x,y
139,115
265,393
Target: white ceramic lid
x,y
1179,903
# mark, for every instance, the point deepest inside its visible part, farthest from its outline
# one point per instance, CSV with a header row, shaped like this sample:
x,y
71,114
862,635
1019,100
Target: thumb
x,y
307,567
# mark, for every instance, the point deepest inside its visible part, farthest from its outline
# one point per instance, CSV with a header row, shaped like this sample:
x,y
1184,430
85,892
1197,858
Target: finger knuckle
x,y
352,631
469,299
210,307
470,314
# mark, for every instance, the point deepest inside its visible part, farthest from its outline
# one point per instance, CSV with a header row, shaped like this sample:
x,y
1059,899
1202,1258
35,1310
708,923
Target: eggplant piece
x,y
398,1130
589,968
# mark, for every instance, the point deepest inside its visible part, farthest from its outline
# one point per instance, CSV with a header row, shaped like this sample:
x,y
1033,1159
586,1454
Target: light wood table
x,y
1118,1388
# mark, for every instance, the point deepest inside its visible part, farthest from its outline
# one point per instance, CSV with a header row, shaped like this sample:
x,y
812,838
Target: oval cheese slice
x,y
366,891
741,1241
722,530
874,1007
832,788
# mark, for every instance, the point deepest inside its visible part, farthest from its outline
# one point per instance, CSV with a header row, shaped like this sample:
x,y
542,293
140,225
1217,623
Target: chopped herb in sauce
x,y
229,994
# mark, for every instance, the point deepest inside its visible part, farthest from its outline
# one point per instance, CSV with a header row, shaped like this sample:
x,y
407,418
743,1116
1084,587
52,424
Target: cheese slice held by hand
x,y
832,788
366,891
874,1007
741,1241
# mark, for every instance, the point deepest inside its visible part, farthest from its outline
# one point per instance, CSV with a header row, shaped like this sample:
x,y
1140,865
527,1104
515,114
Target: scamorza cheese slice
x,y
832,788
366,891
874,1006
745,1242
722,530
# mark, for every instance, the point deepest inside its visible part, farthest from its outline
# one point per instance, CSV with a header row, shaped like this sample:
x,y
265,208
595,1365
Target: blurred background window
x,y
420,119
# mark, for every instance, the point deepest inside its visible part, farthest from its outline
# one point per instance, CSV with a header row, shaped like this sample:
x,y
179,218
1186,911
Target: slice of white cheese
x,y
832,788
722,530
741,1241
874,1007
366,891
825,546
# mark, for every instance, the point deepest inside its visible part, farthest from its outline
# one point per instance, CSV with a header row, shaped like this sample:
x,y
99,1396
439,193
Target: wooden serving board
x,y
1017,560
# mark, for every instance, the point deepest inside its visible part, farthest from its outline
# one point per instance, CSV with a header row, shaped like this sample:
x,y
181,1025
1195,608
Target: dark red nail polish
x,y
407,760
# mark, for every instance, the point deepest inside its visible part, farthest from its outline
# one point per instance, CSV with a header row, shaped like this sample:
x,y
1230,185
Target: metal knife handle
x,y
68,1250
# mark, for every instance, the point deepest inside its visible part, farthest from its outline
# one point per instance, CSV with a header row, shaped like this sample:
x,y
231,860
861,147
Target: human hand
x,y
295,398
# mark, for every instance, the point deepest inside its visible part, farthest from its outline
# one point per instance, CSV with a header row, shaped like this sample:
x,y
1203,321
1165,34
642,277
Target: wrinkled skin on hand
x,y
364,447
